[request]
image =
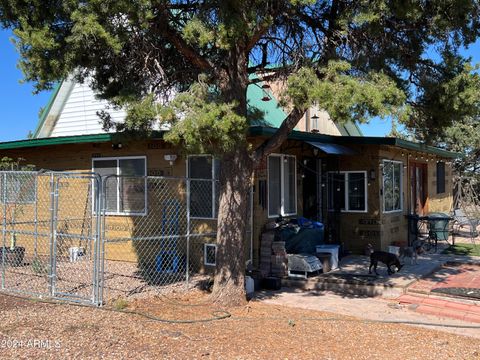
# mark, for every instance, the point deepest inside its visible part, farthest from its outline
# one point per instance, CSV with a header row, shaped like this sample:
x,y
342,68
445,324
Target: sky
x,y
19,107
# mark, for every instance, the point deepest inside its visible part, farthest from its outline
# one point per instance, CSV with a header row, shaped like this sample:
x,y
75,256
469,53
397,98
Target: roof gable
x,y
72,110
73,107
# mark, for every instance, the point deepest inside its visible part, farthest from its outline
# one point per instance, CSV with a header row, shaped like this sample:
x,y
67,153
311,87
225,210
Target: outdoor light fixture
x,y
170,158
314,122
372,174
117,146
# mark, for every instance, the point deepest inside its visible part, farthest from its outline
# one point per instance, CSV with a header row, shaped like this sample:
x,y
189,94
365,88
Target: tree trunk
x,y
235,181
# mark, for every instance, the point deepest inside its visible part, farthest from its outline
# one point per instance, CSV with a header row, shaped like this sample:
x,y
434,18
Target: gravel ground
x,y
122,280
32,329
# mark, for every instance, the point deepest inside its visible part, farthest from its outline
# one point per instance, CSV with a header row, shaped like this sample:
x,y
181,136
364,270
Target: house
x,y
362,188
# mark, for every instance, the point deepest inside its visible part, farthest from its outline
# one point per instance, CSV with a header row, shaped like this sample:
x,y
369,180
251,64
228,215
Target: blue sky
x,y
19,107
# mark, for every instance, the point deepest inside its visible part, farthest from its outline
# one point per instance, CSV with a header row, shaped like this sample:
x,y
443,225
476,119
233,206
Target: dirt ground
x,y
33,329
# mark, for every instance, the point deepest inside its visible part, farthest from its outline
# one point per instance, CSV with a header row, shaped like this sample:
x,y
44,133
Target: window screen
x,y
203,172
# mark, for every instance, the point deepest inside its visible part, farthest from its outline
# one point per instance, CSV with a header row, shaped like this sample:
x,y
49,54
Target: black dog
x,y
387,258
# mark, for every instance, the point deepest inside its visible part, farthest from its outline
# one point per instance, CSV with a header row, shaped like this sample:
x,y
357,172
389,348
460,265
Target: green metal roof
x,y
254,131
357,140
80,139
263,113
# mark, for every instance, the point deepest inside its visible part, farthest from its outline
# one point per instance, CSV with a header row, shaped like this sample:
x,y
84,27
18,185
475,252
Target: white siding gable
x,y
79,113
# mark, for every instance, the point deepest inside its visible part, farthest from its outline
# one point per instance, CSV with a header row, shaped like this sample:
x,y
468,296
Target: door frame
x,y
414,170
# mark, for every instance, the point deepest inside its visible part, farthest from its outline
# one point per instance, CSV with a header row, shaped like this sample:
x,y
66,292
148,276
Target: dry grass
x,y
256,331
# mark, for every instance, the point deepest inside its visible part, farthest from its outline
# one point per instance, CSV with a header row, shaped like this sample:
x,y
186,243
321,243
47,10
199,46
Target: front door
x,y
418,189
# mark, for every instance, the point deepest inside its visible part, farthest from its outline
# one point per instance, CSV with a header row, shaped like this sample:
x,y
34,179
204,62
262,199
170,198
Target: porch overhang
x,y
356,140
332,149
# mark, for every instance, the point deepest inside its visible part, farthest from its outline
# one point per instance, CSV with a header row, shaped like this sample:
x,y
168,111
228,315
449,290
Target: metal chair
x,y
460,220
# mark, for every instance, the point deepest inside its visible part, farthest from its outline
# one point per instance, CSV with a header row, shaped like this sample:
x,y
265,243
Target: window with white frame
x,y
203,172
347,191
282,189
18,187
392,185
125,184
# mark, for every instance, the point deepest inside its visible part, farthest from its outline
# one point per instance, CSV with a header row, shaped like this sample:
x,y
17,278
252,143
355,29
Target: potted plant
x,y
14,254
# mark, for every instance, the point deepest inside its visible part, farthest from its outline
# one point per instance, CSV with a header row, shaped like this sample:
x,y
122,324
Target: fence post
x,y
4,225
35,245
102,210
53,230
96,240
187,277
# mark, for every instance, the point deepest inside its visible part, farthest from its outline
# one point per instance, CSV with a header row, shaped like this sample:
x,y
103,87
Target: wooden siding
x,y
79,113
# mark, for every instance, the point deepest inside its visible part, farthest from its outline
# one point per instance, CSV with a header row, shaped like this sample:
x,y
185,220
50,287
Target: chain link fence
x,y
50,235
159,234
89,239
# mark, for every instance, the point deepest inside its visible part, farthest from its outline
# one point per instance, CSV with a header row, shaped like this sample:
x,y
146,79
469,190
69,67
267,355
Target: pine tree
x,y
357,59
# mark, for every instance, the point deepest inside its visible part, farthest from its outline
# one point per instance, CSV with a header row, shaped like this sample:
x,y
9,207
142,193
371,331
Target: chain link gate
x,y
83,238
50,235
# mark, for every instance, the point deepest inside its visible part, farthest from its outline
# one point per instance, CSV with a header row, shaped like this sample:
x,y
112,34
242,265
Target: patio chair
x,y
462,220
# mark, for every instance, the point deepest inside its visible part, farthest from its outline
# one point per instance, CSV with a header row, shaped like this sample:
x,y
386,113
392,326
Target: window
x,y
18,187
210,254
347,191
125,184
282,189
203,171
440,177
392,186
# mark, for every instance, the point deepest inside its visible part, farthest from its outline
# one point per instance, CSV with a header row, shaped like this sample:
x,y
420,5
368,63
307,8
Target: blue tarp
x,y
302,239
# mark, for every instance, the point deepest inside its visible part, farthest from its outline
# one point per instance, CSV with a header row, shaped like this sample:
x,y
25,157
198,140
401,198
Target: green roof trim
x,y
358,140
253,131
77,139
358,128
46,110
81,139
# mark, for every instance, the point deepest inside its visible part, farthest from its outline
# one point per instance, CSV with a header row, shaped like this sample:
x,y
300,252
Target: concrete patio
x,y
352,277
